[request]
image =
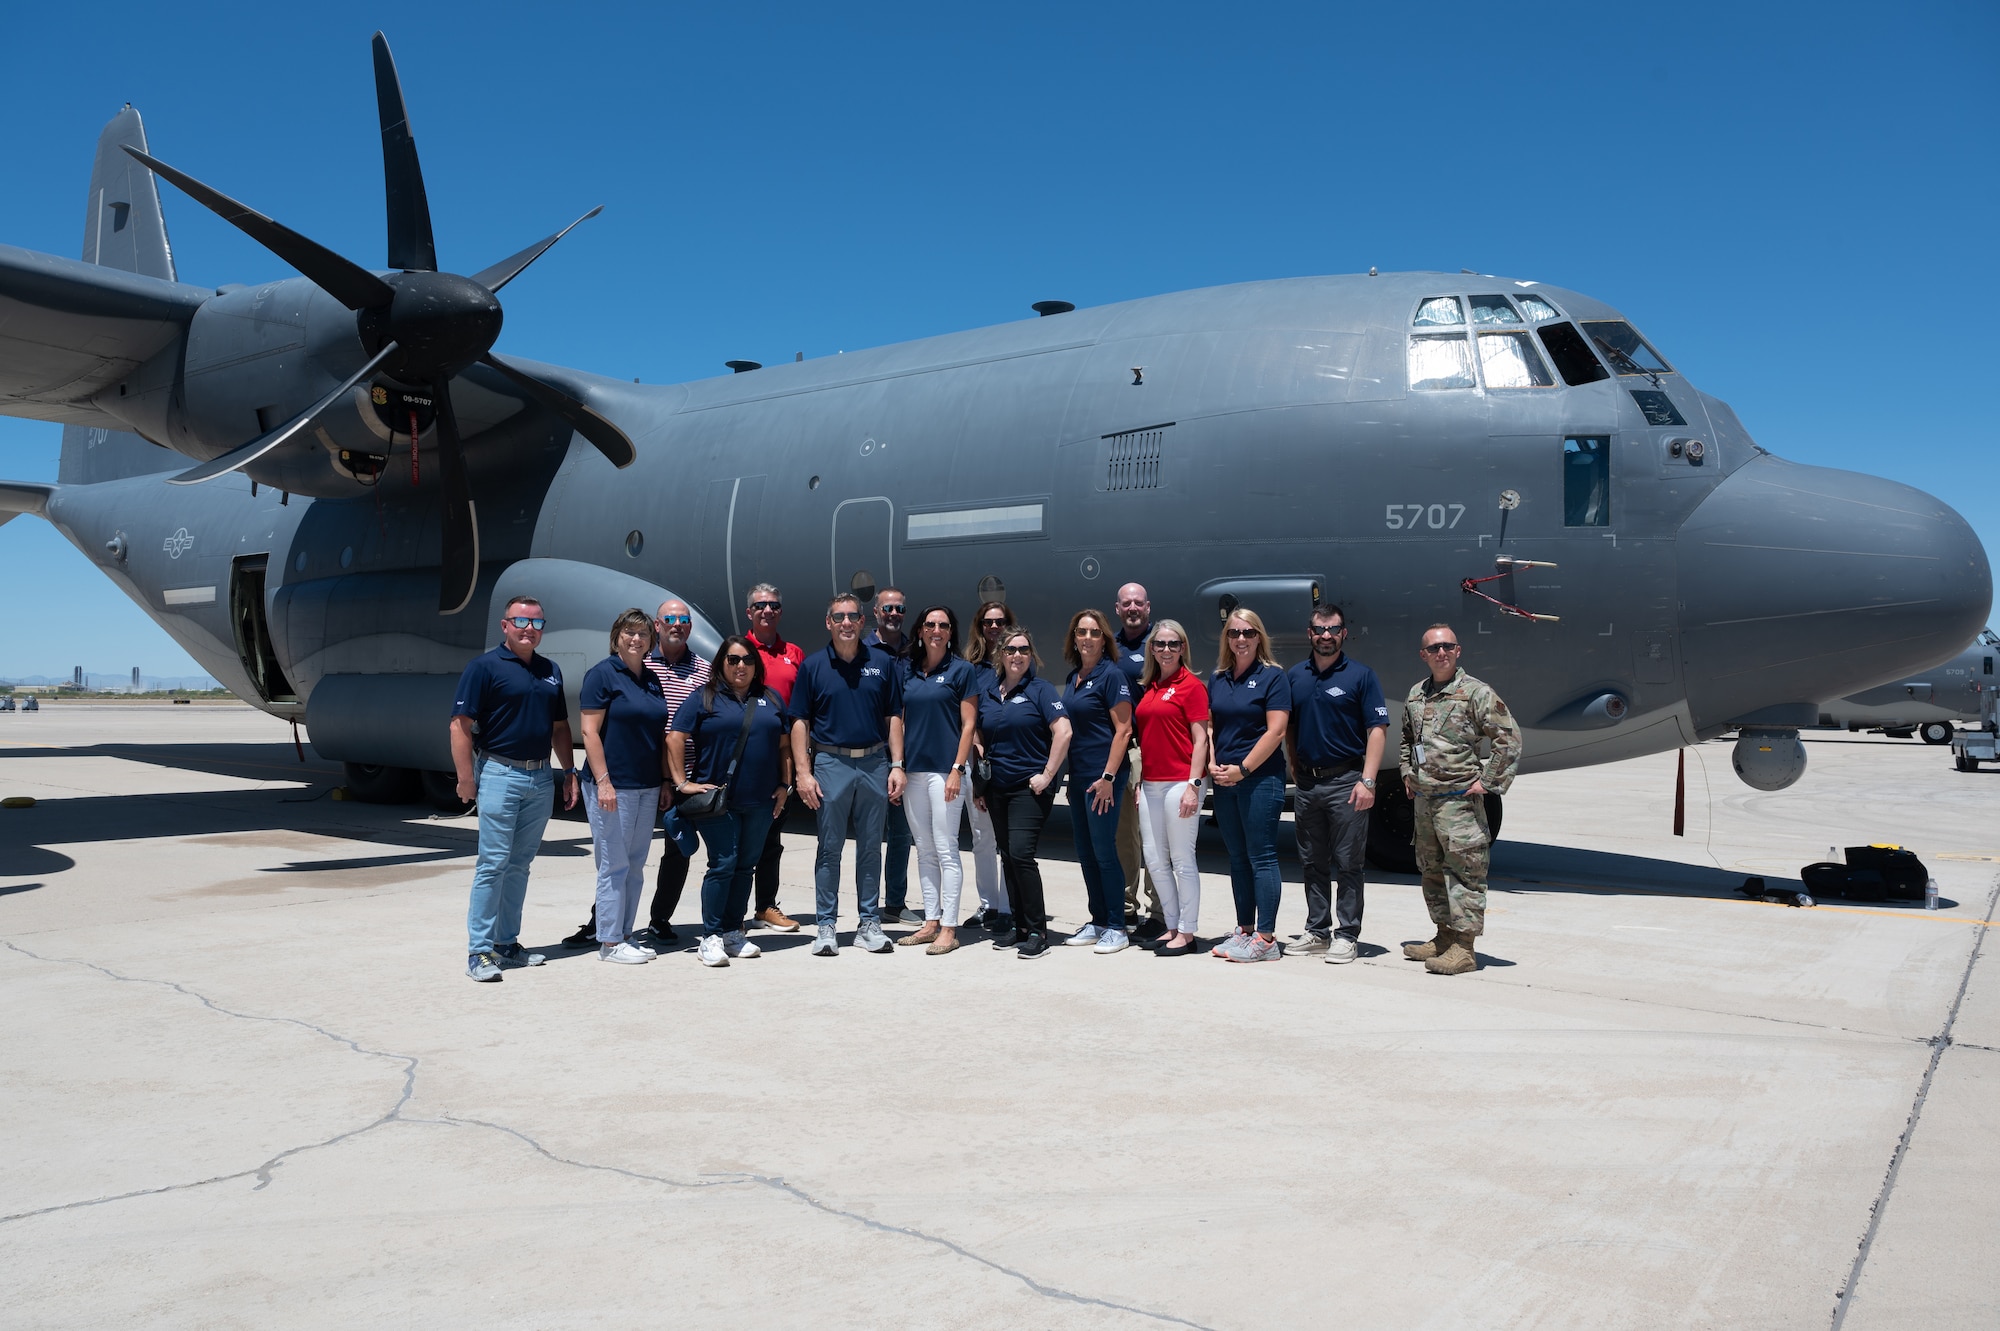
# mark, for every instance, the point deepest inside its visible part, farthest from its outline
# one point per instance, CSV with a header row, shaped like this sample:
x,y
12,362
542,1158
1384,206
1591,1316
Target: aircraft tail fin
x,y
123,228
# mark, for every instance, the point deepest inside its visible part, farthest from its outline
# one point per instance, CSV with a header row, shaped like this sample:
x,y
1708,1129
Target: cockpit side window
x,y
1586,482
1440,360
1571,354
1439,311
1538,310
1624,348
1493,310
1509,360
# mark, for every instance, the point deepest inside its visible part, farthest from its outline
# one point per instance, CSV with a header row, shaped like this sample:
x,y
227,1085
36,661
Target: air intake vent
x,y
1132,460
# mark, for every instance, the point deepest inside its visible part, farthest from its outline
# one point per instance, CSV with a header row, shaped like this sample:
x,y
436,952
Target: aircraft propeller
x,y
423,326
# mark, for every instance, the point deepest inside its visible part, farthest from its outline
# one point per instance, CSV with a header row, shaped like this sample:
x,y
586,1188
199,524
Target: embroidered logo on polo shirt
x,y
870,670
1336,692
1252,684
1168,696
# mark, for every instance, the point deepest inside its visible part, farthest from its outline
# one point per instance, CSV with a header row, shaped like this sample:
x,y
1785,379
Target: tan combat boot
x,y
1425,951
1457,958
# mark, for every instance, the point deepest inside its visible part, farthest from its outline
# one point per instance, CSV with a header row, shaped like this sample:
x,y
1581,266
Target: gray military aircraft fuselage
x,y
1418,447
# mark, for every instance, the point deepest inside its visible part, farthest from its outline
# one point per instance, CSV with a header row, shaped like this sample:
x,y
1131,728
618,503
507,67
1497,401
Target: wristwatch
x,y
898,763
1368,782
960,769
1108,776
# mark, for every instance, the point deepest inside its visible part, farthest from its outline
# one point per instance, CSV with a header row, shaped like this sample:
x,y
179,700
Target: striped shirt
x,y
679,679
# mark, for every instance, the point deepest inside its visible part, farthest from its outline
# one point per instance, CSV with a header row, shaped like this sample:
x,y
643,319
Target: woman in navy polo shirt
x,y
1097,697
940,710
711,721
624,725
982,650
1250,704
1025,736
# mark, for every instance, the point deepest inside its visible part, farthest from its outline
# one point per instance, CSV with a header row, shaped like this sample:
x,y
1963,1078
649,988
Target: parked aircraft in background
x,y
1931,703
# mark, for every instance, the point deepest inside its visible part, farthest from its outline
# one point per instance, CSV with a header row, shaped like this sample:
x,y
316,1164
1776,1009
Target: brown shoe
x,y
773,918
1425,951
1457,959
942,946
924,935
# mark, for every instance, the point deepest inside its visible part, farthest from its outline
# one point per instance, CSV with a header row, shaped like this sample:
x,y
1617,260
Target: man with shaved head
x,y
1135,624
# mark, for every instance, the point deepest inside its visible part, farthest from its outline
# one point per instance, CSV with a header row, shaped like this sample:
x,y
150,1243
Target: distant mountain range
x,y
118,683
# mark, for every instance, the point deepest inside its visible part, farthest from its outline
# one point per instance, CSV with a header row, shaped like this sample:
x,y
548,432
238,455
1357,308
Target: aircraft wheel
x,y
1392,826
374,784
1936,732
441,792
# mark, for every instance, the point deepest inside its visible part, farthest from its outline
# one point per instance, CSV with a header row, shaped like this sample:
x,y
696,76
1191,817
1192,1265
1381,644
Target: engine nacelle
x,y
1768,759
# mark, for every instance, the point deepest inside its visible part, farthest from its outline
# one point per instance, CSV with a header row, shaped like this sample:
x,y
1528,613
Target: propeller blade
x,y
349,283
258,447
500,274
458,573
608,438
410,245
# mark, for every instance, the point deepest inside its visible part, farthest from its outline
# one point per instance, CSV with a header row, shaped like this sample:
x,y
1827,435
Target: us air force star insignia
x,y
178,544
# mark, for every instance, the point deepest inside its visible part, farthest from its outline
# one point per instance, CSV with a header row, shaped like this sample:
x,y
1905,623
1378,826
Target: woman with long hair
x,y
1251,703
982,652
1172,720
1097,696
1024,734
733,713
940,712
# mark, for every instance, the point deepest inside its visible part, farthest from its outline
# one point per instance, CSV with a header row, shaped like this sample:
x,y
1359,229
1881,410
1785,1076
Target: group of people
x,y
896,737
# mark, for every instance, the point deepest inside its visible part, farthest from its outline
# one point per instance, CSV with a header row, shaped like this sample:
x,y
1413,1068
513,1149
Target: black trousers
x,y
1018,815
1333,844
767,871
667,887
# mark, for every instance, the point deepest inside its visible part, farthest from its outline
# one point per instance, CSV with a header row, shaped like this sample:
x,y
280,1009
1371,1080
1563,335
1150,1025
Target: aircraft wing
x,y
69,330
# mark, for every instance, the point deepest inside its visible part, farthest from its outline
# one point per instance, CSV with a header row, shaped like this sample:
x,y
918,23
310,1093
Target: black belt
x,y
1340,768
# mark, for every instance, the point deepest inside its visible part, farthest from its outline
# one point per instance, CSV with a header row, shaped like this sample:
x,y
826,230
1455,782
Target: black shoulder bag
x,y
714,803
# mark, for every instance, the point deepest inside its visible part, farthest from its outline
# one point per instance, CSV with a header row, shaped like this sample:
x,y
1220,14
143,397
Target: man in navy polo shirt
x,y
890,607
1340,726
1134,609
512,699
847,749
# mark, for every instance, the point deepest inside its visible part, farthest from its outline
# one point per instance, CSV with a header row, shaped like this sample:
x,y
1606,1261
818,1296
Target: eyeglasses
x,y
1166,644
844,616
676,619
1326,630
1090,633
1439,648
736,659
772,606
889,610
523,622
1012,650
635,633
993,623
1242,633
941,625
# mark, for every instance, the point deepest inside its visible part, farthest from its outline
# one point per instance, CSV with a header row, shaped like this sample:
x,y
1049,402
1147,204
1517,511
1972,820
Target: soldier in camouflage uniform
x,y
1444,718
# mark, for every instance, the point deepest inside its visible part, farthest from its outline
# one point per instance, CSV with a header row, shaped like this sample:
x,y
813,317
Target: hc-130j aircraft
x,y
326,487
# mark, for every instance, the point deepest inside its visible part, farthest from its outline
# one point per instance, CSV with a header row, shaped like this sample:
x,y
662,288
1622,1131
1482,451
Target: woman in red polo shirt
x,y
1172,721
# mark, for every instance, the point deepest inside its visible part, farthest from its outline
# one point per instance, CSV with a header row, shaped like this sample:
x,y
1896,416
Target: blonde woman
x,y
1172,720
1250,703
982,650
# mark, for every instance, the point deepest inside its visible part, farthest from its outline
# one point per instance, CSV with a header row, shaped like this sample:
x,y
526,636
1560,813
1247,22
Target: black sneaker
x,y
653,934
1150,927
483,967
582,938
513,956
1008,937
987,919
1032,946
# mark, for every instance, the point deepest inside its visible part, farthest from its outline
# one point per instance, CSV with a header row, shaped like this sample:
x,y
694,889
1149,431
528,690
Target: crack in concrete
x,y
394,1114
1843,1297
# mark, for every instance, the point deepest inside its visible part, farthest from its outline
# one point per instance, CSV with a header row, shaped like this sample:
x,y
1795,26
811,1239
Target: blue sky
x,y
1796,204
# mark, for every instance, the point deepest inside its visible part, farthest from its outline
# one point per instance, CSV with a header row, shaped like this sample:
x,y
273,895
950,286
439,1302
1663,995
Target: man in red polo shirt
x,y
764,609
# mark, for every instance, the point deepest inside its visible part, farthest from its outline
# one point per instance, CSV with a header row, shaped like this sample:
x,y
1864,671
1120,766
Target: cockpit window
x,y
1509,360
1571,354
1437,311
1440,361
1624,348
1538,310
1493,310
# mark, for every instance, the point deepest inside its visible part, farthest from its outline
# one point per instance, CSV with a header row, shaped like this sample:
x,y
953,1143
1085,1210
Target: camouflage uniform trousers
x,y
1453,848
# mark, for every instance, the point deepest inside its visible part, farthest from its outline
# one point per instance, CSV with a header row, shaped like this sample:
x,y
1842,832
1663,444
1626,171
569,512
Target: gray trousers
x,y
1333,844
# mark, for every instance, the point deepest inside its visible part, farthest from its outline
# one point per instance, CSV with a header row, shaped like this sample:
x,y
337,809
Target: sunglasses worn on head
x,y
523,622
1439,648
735,659
844,616
1243,633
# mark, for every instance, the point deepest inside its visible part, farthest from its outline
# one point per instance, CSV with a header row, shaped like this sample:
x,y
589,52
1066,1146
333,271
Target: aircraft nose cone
x,y
1799,584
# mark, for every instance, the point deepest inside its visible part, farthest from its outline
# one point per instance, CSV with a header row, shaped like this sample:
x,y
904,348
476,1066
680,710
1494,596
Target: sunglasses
x,y
1243,633
771,606
1326,630
736,659
1090,633
1439,648
889,610
844,616
993,623
676,619
1012,650
943,625
523,622
1166,644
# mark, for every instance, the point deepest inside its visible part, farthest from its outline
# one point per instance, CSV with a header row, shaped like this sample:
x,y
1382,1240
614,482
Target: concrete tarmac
x,y
248,1084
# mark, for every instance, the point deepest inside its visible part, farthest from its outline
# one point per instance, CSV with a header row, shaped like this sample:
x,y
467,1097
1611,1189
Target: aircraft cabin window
x,y
1437,311
1509,360
1571,354
1538,310
1493,310
1586,482
1440,361
1625,349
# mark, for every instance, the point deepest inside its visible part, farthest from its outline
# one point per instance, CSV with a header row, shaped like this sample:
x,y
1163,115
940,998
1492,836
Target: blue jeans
x,y
513,809
854,797
620,838
735,841
1248,812
1097,848
896,859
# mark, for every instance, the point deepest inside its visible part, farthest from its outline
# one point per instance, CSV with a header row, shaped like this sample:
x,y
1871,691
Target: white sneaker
x,y
826,944
711,950
870,938
1111,940
735,944
1084,937
624,954
638,946
1341,950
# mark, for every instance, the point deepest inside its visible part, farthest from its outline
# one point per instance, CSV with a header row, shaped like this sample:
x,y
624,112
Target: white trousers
x,y
934,833
1169,841
985,859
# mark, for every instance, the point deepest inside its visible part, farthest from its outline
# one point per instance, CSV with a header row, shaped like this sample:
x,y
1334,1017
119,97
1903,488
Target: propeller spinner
x,y
423,326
